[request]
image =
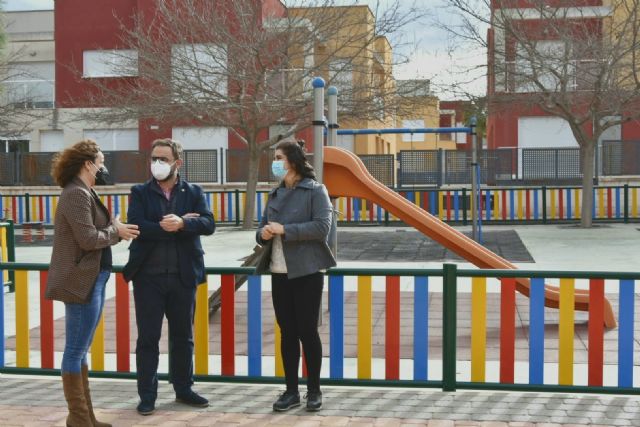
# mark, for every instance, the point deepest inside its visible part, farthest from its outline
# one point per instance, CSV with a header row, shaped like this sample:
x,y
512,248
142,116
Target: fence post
x,y
449,308
11,253
222,174
626,203
386,218
237,197
544,204
441,166
27,209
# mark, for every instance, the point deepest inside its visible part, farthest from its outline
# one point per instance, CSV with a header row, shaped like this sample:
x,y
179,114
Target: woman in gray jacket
x,y
294,230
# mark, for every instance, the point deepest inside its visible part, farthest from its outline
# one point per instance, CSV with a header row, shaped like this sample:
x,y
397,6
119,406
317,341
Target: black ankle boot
x,y
286,401
314,401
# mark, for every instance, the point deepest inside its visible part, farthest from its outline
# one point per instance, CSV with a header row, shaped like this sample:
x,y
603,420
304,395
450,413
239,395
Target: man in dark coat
x,y
166,265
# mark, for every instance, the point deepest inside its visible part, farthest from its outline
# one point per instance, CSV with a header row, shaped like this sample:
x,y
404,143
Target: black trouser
x,y
296,303
156,296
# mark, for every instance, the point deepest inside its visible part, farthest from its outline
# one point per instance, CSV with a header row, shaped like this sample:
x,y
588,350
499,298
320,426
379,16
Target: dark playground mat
x,y
409,245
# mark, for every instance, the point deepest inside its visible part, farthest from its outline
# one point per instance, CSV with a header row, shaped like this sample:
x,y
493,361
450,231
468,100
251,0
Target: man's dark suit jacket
x,y
145,210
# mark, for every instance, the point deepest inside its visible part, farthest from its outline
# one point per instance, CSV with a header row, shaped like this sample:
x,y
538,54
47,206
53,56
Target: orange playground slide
x,y
345,175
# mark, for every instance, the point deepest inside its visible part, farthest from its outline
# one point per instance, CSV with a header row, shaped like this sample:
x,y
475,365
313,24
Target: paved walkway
x,y
29,401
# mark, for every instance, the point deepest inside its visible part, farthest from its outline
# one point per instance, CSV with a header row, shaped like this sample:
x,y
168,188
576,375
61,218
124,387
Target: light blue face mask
x,y
277,168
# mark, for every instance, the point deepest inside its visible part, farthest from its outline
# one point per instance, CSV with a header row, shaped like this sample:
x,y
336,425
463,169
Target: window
x,y
29,85
199,71
549,66
110,63
114,139
341,76
288,83
201,138
51,140
413,124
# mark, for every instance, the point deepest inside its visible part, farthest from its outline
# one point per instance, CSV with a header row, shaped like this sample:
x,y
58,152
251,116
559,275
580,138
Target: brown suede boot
x,y
76,402
87,396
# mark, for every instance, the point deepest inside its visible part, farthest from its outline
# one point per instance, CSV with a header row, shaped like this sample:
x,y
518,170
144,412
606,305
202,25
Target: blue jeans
x,y
81,323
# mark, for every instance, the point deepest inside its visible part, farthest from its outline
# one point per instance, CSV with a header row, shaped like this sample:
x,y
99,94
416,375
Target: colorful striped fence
x,y
540,204
408,349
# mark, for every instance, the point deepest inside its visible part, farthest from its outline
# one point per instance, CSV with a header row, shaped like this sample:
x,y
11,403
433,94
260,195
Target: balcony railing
x,y
512,78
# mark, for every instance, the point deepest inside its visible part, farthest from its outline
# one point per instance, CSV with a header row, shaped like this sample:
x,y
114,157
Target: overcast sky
x,y
430,58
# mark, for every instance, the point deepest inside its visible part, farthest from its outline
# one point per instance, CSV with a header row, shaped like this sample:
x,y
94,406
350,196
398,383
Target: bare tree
x,y
569,60
222,63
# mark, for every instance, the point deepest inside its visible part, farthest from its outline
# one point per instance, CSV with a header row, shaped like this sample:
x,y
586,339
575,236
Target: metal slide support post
x,y
332,141
318,134
474,179
318,126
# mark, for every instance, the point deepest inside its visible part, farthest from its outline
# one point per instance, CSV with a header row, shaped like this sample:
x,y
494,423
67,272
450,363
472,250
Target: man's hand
x,y
172,223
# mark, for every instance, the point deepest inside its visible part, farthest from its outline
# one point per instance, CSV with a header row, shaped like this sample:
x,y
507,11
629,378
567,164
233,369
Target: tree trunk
x,y
587,155
252,183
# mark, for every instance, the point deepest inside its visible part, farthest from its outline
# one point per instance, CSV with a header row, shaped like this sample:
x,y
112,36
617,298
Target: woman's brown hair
x,y
296,156
68,163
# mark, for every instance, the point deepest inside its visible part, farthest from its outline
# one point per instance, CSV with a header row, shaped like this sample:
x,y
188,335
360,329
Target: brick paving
x,y
38,401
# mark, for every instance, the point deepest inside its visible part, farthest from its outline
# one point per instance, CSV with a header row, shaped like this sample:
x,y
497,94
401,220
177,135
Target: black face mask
x,y
103,177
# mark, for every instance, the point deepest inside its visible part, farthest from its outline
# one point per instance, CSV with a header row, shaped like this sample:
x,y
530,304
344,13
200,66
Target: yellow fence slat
x,y
97,347
201,330
520,205
565,345
364,327
600,202
4,252
278,351
478,328
22,318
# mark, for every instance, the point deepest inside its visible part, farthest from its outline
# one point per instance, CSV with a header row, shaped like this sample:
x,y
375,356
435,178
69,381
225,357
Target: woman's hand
x,y
275,228
126,231
266,233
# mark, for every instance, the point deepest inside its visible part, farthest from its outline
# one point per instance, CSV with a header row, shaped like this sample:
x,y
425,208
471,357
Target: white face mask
x,y
161,170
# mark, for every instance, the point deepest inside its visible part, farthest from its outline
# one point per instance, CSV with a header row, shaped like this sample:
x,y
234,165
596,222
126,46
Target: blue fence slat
x,y
487,204
254,326
411,196
379,216
47,209
536,207
512,204
456,206
617,202
336,327
19,199
230,216
569,204
356,208
536,331
433,202
259,206
420,328
209,205
625,333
